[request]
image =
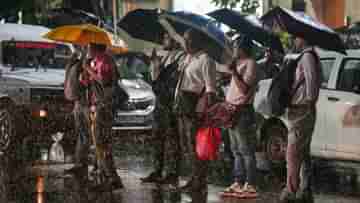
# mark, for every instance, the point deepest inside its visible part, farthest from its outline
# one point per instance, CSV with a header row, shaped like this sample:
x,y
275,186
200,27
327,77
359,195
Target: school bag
x,y
281,88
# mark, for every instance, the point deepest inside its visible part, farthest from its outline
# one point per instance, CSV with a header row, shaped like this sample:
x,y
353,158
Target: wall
x,y
352,9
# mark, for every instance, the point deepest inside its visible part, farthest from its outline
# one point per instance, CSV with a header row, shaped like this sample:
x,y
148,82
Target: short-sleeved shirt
x,y
199,73
308,72
247,71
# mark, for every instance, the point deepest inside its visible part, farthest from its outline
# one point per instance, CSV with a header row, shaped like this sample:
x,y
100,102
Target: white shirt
x,y
199,73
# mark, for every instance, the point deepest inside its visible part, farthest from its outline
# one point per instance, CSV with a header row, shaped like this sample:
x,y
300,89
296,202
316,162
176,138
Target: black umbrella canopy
x,y
302,25
217,43
248,25
143,24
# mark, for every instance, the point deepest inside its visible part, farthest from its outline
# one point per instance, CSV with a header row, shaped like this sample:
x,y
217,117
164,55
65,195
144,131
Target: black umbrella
x,y
248,25
217,43
143,24
304,26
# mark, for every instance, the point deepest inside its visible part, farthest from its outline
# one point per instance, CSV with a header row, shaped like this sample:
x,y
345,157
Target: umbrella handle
x,y
98,150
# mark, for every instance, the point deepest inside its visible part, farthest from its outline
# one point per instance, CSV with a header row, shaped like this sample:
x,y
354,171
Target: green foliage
x,y
285,39
247,6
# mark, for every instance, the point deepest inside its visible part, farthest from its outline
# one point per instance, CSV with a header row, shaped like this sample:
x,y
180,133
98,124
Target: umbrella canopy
x,y
143,24
304,26
181,21
80,35
248,25
118,49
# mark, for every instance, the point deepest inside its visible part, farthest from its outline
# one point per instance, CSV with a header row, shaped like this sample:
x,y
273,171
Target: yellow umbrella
x,y
118,49
80,34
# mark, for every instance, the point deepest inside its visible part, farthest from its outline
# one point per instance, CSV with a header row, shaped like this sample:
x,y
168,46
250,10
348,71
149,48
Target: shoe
x,y
233,187
186,187
154,177
228,192
305,196
170,179
193,187
286,196
246,192
78,169
113,183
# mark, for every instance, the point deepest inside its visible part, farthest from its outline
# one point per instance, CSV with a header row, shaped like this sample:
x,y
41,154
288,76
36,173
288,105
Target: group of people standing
x,y
197,81
177,122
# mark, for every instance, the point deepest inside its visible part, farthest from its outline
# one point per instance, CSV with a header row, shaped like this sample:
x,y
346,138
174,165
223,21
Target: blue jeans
x,y
243,146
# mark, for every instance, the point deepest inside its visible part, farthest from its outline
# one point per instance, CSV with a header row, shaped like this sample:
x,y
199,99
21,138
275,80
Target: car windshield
x,y
130,67
26,54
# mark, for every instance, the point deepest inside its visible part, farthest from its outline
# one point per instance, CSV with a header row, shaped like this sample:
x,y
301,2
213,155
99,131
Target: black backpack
x,y
281,89
165,85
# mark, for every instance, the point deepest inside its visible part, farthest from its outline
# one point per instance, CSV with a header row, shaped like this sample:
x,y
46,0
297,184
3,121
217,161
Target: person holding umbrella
x,y
93,110
243,131
164,129
197,82
96,80
301,113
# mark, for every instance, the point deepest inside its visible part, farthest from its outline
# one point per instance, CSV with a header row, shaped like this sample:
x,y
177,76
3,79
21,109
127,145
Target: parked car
x,y
336,134
32,103
135,113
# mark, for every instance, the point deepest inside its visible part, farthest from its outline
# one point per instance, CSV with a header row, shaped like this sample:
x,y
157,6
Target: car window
x,y
26,54
349,79
327,65
130,66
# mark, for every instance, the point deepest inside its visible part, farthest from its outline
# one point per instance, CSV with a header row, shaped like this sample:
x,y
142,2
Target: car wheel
x,y
7,129
275,144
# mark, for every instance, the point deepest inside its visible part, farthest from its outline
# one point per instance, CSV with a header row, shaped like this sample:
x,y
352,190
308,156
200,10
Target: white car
x,y
337,130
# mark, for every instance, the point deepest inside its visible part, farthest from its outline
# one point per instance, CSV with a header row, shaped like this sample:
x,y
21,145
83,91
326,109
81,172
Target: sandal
x,y
248,191
231,189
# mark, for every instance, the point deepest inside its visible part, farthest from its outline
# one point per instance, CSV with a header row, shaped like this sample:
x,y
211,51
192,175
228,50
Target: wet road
x,y
44,183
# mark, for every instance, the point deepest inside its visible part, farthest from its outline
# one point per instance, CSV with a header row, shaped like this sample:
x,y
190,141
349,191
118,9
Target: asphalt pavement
x,y
47,183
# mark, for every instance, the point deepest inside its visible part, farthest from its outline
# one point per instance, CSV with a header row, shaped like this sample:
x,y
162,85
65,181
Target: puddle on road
x,y
47,184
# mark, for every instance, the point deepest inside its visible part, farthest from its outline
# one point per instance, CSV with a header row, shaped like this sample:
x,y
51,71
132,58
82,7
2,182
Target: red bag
x,y
207,143
221,115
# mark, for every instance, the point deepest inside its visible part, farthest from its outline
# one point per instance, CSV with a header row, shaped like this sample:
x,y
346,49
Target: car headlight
x,y
133,104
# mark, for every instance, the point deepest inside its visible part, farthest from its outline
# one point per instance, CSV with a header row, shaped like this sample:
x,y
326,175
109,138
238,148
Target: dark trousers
x,y
166,141
199,169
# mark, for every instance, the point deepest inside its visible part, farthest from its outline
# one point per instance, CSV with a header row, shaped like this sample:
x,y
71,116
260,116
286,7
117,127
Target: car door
x,y
349,111
321,131
343,139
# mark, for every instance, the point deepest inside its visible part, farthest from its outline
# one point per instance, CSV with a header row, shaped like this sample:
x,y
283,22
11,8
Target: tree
x,y
247,6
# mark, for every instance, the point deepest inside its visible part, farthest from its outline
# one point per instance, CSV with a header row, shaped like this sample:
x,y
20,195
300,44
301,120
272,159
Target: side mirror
x,y
139,76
